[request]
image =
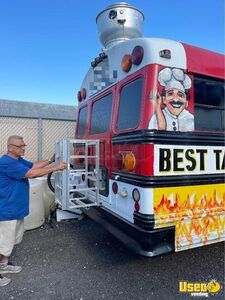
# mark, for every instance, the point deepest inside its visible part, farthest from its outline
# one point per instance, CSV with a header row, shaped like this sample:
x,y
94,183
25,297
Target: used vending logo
x,y
199,289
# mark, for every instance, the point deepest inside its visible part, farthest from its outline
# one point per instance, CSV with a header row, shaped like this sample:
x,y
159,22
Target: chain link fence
x,y
40,135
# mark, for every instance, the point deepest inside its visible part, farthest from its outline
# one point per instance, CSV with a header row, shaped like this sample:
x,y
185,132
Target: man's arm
x,y
43,163
38,172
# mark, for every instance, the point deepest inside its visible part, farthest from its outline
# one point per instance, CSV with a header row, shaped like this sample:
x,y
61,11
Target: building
x,y
40,124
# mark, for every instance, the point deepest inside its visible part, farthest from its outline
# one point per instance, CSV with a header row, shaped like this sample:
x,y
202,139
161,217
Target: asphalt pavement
x,y
81,260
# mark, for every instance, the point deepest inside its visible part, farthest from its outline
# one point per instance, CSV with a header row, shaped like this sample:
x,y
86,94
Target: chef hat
x,y
174,78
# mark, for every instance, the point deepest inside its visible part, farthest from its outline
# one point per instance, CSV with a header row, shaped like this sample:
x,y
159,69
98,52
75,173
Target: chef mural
x,y
171,106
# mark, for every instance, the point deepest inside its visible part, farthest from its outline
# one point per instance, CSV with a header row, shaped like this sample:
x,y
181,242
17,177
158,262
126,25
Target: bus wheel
x,y
49,180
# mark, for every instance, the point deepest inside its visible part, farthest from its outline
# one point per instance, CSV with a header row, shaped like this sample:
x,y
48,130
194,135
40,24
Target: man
x,y
175,98
14,198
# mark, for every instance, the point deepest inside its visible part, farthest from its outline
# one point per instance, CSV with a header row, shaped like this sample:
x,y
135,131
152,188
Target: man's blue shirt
x,y
14,188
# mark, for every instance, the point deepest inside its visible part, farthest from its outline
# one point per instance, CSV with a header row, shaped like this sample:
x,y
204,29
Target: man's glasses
x,y
20,147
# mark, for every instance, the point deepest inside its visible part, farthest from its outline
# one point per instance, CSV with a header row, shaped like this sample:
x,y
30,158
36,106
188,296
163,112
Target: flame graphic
x,y
198,220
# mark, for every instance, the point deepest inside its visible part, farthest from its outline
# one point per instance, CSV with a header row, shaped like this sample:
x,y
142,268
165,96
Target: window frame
x,y
78,122
111,113
216,108
120,88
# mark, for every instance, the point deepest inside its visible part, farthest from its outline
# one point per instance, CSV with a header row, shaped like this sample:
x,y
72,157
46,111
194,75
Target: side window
x,y
130,105
209,103
101,115
82,121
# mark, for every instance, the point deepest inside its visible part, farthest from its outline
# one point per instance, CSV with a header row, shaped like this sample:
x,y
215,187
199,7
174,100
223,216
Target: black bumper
x,y
141,241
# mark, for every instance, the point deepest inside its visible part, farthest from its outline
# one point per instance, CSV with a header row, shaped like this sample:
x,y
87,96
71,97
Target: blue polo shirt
x,y
14,188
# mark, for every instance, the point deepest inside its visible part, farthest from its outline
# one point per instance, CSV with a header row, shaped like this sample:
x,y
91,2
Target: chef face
x,y
175,101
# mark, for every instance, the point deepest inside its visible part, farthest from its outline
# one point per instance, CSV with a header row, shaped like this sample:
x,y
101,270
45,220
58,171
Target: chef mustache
x,y
175,103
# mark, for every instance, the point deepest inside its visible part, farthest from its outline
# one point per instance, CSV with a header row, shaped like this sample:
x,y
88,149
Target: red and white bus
x,y
156,106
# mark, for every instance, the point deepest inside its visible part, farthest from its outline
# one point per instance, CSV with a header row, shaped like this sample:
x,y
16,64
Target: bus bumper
x,y
144,242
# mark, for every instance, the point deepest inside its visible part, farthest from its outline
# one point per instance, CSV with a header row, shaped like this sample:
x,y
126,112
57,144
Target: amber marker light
x,y
129,161
83,93
126,63
137,55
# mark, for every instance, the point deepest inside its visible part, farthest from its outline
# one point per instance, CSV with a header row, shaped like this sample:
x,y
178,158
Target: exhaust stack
x,y
119,22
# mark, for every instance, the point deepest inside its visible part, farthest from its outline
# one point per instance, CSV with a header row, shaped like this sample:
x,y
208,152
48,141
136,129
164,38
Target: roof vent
x,y
119,22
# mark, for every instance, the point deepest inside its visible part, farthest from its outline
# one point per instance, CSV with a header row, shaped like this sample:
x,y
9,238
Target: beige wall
x,y
51,131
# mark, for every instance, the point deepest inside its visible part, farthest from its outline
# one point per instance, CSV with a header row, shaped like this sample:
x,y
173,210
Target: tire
x,y
49,182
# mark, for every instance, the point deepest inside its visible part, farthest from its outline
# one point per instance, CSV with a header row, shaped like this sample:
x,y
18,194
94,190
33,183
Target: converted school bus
x,y
157,108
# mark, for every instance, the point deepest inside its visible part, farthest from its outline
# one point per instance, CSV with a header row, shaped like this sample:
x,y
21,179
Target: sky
x,y
47,45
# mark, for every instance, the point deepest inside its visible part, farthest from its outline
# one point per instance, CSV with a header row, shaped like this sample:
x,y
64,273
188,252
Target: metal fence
x,y
40,135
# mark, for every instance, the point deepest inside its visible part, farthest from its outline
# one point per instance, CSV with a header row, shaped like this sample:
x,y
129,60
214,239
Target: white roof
x,y
109,70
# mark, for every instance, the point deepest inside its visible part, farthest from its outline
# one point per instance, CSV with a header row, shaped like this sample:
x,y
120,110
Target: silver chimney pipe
x,y
119,22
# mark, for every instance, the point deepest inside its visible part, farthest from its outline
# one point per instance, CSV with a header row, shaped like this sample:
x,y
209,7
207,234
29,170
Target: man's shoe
x,y
9,268
4,281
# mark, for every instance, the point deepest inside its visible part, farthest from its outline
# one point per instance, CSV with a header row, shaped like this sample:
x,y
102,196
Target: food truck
x,y
148,157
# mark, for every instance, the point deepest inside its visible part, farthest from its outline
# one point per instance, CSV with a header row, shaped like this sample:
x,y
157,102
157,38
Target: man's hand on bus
x,y
61,166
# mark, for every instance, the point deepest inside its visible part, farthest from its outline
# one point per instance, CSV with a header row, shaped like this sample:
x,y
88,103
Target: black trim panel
x,y
144,221
169,137
140,241
163,181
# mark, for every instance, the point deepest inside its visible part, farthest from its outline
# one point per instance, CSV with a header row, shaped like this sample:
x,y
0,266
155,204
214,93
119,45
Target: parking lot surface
x,y
81,260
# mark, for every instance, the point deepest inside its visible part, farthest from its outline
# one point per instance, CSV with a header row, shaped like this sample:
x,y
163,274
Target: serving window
x,y
209,103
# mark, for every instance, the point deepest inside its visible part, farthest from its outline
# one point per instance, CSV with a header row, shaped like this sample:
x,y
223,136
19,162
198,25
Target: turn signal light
x,y
126,63
83,93
137,55
135,58
129,161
